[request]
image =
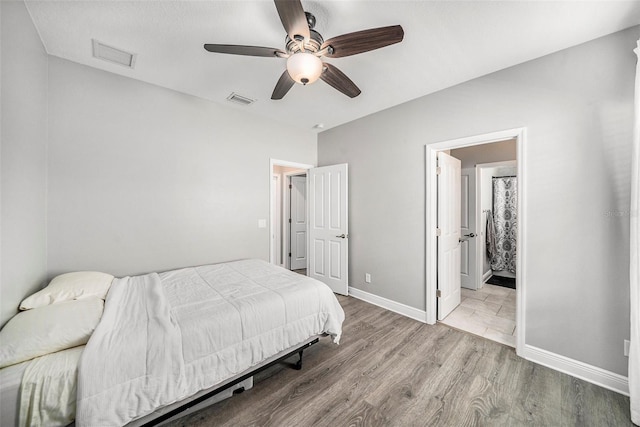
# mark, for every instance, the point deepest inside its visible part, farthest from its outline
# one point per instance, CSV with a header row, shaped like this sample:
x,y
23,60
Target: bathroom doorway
x,y
484,308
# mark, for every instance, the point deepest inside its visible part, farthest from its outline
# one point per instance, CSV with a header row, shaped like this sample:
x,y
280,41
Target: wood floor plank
x,y
586,404
542,404
393,371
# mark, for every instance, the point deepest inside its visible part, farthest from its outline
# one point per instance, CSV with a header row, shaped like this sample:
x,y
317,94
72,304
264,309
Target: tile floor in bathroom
x,y
489,312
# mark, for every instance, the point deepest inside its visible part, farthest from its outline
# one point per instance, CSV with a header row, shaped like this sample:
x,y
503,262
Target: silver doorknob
x,y
342,236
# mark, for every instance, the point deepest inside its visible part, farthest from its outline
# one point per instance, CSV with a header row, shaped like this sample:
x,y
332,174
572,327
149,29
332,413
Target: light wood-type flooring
x,y
393,371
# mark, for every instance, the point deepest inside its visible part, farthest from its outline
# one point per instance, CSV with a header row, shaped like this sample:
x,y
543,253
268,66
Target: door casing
x,y
275,220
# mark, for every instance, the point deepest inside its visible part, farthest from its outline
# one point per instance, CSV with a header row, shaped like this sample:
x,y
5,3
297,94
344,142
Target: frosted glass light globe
x,y
304,67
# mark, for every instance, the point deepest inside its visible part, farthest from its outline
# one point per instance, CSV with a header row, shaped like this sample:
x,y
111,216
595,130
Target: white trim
x,y
288,164
575,368
477,139
275,241
396,307
507,163
285,163
431,221
486,276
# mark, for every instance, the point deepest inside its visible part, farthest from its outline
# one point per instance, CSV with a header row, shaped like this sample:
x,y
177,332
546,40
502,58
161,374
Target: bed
x,y
192,336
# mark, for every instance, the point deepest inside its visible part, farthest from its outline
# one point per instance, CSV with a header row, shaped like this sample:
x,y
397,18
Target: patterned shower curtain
x,y
505,202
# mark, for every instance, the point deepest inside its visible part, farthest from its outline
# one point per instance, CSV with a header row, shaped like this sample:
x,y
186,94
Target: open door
x,y
449,195
328,227
298,222
468,257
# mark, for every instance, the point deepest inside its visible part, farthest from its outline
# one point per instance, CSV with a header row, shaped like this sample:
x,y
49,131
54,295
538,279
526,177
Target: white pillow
x,y
69,286
49,329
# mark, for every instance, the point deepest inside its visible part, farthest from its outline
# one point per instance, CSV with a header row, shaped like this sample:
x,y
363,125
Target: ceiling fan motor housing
x,y
311,45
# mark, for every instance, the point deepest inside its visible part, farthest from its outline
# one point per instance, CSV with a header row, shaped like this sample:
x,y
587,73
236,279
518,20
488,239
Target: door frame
x,y
276,219
285,163
431,206
507,163
286,207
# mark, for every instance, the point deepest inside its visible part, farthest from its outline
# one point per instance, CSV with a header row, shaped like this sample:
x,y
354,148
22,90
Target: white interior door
x,y
328,226
468,249
448,234
298,223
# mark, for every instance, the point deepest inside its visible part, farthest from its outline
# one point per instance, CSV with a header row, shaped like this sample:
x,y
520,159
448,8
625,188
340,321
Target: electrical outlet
x,y
626,347
367,278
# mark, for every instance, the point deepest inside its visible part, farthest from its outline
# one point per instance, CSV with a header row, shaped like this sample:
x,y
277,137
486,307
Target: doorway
x,y
487,303
471,235
324,216
288,222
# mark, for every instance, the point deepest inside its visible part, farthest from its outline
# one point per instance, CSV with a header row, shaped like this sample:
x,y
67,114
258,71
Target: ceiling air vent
x,y
112,54
239,99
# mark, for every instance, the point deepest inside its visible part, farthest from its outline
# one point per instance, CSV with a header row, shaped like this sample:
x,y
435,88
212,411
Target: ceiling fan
x,y
304,48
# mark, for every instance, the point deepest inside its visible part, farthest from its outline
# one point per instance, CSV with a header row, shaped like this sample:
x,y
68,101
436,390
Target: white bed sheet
x,y
42,389
10,380
48,391
163,338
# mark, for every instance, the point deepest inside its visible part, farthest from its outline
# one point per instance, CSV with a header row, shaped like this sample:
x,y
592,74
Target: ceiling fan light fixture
x,y
304,67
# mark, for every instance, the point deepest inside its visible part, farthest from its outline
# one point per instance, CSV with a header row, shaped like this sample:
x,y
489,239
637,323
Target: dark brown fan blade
x,y
363,41
282,87
336,78
293,18
244,50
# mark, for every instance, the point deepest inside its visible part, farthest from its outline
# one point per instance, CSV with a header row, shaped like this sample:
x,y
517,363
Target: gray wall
x,y
24,158
143,178
577,105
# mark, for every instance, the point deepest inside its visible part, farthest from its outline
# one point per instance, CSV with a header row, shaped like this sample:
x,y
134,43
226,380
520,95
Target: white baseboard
x,y
396,307
575,368
486,276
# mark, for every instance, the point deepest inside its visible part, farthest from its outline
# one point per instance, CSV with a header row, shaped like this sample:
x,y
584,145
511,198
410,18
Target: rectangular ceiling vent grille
x,y
239,99
113,55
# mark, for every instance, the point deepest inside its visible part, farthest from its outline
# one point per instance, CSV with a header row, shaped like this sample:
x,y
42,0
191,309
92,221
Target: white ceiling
x,y
446,43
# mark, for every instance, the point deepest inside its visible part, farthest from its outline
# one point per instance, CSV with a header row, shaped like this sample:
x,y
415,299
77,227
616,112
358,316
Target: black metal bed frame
x,y
194,402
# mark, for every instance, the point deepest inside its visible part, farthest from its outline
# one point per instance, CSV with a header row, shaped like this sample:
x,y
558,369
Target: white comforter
x,y
164,337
